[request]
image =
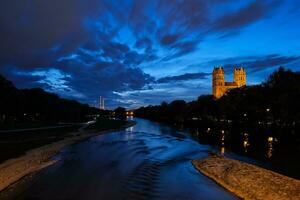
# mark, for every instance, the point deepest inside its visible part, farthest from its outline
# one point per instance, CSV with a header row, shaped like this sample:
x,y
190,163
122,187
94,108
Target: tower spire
x,y
101,103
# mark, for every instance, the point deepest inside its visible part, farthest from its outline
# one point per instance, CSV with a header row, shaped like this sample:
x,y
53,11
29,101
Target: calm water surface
x,y
147,161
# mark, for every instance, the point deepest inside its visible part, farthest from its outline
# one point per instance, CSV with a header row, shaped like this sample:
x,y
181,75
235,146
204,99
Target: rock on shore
x,y
248,181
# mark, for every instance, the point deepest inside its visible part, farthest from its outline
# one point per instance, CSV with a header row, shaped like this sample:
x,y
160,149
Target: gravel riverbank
x,y
248,181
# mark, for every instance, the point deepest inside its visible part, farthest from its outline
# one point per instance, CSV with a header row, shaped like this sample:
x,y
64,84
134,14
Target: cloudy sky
x,y
143,52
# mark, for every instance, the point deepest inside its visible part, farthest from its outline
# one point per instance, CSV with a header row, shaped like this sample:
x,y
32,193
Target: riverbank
x,y
14,169
248,181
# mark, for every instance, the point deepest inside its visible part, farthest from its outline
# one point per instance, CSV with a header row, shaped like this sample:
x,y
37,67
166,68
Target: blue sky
x,y
141,52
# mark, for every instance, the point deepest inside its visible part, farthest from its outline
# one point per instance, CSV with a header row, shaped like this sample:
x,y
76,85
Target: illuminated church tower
x,y
218,82
220,87
239,76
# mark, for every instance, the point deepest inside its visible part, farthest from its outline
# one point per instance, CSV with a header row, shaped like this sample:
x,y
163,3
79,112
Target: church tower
x,y
239,76
218,82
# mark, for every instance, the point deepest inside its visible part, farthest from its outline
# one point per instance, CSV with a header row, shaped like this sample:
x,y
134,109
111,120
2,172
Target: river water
x,y
147,161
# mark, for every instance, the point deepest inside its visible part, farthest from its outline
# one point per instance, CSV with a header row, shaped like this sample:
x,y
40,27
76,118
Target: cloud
x,y
260,63
251,13
251,63
183,77
169,39
144,43
37,32
98,47
99,81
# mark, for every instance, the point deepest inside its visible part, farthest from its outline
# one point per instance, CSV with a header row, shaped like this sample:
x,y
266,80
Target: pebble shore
x,y
248,181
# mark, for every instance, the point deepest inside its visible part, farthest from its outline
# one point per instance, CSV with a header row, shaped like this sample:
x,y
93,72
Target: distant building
x,y
220,87
101,103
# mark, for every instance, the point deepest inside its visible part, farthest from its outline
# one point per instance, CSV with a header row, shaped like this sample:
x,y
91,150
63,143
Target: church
x,y
220,87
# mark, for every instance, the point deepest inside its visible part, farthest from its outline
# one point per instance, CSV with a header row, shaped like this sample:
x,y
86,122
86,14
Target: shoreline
x,y
248,181
13,170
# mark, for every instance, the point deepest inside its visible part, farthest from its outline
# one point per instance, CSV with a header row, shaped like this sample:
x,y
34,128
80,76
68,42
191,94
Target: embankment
x,y
248,181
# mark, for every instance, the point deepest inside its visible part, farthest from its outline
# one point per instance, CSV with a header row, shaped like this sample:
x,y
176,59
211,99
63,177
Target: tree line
x,y
275,101
27,105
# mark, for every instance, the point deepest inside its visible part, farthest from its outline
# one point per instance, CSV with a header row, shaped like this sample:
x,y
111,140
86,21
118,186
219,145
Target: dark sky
x,y
143,52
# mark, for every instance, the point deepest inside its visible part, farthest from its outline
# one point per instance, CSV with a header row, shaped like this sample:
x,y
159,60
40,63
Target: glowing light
x,y
270,139
223,136
270,150
246,143
222,150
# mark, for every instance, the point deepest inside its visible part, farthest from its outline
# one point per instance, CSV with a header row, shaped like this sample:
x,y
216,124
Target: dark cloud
x,y
95,47
185,15
37,32
169,39
116,78
255,63
144,43
115,51
21,80
251,63
183,77
269,61
181,48
249,14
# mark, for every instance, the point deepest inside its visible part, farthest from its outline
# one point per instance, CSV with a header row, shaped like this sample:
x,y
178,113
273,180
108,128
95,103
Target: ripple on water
x,y
151,162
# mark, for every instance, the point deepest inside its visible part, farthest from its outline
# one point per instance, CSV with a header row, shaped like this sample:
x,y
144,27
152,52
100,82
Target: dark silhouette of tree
x,y
27,105
120,113
275,101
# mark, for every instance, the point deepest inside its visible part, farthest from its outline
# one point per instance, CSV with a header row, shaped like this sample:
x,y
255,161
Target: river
x,y
147,161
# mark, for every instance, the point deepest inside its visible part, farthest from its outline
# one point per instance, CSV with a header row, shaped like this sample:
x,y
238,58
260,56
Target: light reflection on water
x,y
244,143
148,161
222,151
271,143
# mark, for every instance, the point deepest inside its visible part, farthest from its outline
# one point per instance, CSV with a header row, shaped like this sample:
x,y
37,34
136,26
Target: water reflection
x,y
223,137
130,118
237,142
222,150
197,131
130,129
266,144
153,161
270,145
246,143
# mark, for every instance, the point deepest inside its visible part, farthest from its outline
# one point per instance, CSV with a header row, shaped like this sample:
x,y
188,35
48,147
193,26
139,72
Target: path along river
x,y
147,161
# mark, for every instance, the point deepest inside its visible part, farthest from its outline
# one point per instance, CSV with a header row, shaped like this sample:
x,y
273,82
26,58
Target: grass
x,y
26,125
15,144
